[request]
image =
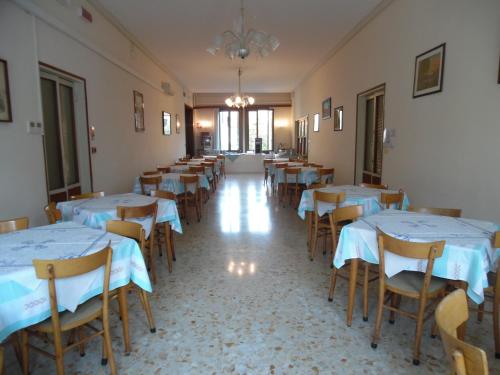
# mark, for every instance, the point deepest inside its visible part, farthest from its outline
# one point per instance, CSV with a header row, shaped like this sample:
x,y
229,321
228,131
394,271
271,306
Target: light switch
x,y
35,128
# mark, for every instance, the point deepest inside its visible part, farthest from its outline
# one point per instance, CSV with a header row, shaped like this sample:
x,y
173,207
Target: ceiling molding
x,y
346,39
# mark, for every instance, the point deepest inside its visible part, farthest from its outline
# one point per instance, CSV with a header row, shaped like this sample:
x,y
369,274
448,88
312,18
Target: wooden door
x,y
374,135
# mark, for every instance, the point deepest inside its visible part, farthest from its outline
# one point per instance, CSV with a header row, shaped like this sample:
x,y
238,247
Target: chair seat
x,y
410,283
85,313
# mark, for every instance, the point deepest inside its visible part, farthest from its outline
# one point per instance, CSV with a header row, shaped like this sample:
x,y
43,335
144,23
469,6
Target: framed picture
x,y
326,109
316,122
167,127
138,111
338,119
429,69
5,107
177,124
498,70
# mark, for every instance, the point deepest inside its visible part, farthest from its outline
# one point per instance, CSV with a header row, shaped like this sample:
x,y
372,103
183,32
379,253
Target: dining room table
x,y
198,162
95,212
172,182
183,169
468,254
24,298
271,167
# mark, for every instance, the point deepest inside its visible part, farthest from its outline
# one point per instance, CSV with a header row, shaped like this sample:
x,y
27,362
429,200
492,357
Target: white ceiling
x,y
178,32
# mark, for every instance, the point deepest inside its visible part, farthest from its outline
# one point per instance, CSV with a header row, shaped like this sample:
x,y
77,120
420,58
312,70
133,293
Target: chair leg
x,y
333,282
418,331
315,236
152,263
496,327
378,320
394,303
122,303
365,292
25,351
109,348
147,309
480,312
81,336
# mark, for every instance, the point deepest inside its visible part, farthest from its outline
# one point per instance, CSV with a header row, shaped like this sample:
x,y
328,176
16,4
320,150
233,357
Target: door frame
x,y
71,77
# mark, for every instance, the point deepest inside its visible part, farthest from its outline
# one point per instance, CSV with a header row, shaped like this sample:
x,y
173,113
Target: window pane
x,y
270,129
252,129
224,130
68,135
235,130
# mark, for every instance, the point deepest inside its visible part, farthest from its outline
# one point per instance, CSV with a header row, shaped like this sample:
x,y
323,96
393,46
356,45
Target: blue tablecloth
x,y
468,254
96,212
307,175
24,299
172,182
183,169
271,168
354,195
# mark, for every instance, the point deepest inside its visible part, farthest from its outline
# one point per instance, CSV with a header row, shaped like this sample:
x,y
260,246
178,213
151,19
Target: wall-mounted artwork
x,y
338,119
5,107
167,126
177,124
429,69
498,70
326,109
138,111
316,122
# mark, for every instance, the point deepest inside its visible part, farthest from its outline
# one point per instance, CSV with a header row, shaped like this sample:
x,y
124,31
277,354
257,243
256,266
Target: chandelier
x,y
239,43
239,100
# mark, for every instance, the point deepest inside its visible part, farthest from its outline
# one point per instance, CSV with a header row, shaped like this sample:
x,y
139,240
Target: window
x,y
229,130
261,125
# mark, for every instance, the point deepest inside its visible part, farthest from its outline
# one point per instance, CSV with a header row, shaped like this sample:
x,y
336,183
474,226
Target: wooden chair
x,y
386,199
96,194
188,197
374,186
322,225
151,181
163,169
150,173
330,172
316,186
465,359
213,179
277,168
181,163
415,285
338,218
314,165
53,214
136,232
96,308
165,231
294,188
222,165
451,212
266,163
137,212
12,225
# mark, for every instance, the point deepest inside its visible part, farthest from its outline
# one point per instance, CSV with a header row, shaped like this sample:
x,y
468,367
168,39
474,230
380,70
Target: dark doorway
x,y
189,130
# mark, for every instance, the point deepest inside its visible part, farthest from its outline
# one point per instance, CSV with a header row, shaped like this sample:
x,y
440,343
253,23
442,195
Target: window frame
x,y
247,126
229,110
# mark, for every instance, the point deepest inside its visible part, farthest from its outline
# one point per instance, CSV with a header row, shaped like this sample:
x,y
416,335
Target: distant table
x,y
172,182
183,169
468,254
24,299
307,175
197,162
272,166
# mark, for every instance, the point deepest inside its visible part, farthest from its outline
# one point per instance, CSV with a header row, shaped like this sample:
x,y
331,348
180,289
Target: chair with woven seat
x,y
166,233
451,212
374,186
163,169
188,197
152,181
136,232
96,308
293,188
325,175
12,225
322,225
388,199
140,212
412,284
95,194
53,214
465,359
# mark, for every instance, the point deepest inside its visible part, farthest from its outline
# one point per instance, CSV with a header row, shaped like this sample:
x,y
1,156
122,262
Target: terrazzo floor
x,y
244,298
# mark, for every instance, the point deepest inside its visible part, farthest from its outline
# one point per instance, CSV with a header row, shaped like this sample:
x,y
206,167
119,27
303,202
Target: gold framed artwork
x,y
429,69
5,106
316,122
138,111
167,126
338,119
326,109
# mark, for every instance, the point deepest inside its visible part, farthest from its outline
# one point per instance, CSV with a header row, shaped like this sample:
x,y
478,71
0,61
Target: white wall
x,y
111,77
446,146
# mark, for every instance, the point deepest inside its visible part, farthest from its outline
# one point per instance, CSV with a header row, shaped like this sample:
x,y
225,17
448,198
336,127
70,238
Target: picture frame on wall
x,y
166,123
429,71
5,105
338,119
138,111
316,122
177,124
326,109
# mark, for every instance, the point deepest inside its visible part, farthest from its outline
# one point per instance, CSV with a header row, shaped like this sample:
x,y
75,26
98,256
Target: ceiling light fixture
x,y
239,100
239,43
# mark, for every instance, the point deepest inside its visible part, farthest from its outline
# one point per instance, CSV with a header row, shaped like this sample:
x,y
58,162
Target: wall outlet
x,y
35,128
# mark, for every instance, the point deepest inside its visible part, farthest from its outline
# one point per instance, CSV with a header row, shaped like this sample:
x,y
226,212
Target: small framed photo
x,y
338,119
138,111
5,106
326,109
167,126
429,69
316,122
177,124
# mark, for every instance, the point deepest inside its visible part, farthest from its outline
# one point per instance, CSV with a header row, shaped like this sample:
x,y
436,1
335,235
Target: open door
x,y
189,131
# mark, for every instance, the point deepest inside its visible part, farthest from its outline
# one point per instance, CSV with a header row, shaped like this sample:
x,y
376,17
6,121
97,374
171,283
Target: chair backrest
x,y
464,358
131,212
51,270
326,171
163,169
198,168
314,165
12,225
266,162
281,165
451,212
53,214
328,197
153,180
95,194
374,186
128,229
181,163
415,250
292,171
316,186
392,198
351,213
150,173
189,179
164,194
496,240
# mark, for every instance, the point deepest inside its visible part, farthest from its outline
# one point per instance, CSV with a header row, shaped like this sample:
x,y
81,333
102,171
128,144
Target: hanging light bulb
x,y
239,100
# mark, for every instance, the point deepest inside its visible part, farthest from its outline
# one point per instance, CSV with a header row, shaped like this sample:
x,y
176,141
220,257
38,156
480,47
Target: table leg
x,y
352,289
122,303
168,241
309,230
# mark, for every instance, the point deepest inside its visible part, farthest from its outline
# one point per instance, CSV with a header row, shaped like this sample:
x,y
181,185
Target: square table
x,y
24,299
172,182
468,254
